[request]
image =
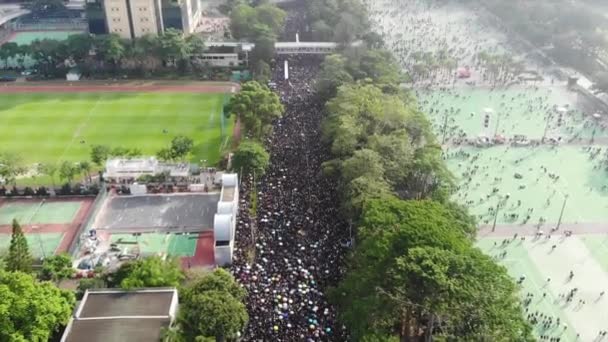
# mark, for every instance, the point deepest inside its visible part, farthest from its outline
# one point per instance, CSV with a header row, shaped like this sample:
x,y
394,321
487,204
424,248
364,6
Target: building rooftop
x,y
119,315
112,304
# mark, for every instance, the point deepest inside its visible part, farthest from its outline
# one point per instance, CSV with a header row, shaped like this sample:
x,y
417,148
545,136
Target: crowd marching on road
x,y
299,239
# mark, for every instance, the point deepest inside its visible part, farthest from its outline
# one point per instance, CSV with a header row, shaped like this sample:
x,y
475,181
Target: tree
x,y
242,19
212,307
173,46
380,66
99,154
413,270
363,163
181,146
67,171
19,257
149,272
79,46
31,310
272,16
256,106
8,50
49,54
112,49
261,72
11,167
332,75
250,157
264,39
49,169
321,31
165,154
57,267
85,167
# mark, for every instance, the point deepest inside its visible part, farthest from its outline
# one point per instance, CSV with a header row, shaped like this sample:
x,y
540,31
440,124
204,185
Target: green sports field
x,y
52,127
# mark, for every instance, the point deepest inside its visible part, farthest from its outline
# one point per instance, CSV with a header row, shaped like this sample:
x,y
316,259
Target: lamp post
x,y
561,214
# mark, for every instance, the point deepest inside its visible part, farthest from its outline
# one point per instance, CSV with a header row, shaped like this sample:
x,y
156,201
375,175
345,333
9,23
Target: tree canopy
x,y
57,267
256,106
19,257
415,269
172,50
382,137
147,272
250,157
31,310
212,307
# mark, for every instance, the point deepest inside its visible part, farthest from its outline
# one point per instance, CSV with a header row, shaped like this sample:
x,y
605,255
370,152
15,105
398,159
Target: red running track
x,y
204,253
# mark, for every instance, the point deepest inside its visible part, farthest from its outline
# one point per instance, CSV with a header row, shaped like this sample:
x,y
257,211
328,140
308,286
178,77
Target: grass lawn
x,y
52,127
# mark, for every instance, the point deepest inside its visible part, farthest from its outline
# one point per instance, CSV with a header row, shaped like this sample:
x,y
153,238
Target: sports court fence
x,y
56,24
88,223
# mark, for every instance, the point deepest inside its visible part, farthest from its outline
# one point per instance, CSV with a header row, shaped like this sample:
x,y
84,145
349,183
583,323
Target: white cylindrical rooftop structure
x,y
225,208
230,179
221,227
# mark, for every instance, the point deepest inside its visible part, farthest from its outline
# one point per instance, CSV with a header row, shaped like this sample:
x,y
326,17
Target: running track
x,y
114,88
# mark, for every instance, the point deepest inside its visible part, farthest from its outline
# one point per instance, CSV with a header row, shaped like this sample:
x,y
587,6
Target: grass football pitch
x,y
53,127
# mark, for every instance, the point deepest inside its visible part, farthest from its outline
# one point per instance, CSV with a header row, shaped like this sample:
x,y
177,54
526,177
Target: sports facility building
x,y
197,226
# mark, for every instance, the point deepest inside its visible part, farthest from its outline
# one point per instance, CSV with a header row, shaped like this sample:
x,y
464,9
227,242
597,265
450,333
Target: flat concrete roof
x,y
115,304
132,330
180,212
119,315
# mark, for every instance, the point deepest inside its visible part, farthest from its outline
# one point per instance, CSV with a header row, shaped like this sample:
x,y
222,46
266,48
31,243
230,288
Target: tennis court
x,y
528,111
50,225
27,37
39,212
40,244
537,179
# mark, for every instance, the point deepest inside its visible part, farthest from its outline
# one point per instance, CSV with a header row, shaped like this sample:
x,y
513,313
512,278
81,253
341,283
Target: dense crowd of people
x,y
298,237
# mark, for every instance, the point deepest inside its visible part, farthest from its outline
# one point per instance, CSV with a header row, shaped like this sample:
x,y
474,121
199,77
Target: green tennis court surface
x,y
157,243
22,38
539,262
487,176
524,111
531,183
52,127
40,244
38,212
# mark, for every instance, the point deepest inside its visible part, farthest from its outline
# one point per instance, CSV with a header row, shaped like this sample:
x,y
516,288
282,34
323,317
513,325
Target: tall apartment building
x,y
135,18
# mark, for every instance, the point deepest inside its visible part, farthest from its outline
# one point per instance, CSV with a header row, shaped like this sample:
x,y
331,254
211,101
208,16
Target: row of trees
x,y
414,272
255,108
12,167
109,53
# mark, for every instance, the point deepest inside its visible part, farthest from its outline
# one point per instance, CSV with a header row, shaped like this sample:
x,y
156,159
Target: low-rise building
x,y
119,315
